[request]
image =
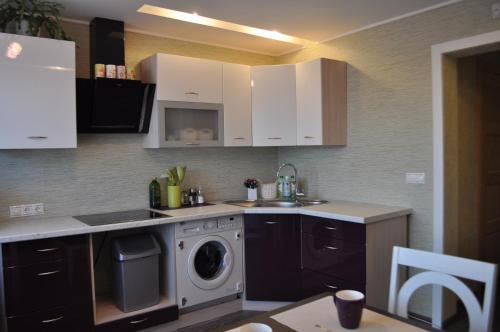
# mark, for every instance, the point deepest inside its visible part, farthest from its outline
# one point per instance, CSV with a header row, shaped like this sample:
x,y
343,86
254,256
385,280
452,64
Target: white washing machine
x,y
209,260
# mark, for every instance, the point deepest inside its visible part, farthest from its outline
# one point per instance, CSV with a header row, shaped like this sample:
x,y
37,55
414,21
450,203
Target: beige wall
x,y
140,46
390,114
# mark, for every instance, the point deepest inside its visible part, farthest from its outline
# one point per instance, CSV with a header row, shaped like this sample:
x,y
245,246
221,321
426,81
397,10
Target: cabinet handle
x,y
52,320
47,249
274,138
330,286
192,143
239,138
41,274
192,93
37,137
138,321
308,137
331,248
271,222
330,228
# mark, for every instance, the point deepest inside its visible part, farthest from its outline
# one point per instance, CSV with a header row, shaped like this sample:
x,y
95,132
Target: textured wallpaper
x,y
390,115
112,173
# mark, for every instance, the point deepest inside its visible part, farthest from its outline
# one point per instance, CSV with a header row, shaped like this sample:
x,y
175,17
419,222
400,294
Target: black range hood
x,y
111,105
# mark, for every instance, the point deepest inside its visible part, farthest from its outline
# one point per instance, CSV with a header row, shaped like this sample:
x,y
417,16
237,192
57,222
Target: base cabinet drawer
x,y
337,258
46,250
142,321
334,229
314,283
61,319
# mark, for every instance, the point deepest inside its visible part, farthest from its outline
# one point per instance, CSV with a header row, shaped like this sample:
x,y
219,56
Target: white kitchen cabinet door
x,y
237,98
274,113
37,93
321,102
181,78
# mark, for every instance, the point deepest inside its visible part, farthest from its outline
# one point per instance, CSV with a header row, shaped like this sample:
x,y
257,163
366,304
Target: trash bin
x,y
136,272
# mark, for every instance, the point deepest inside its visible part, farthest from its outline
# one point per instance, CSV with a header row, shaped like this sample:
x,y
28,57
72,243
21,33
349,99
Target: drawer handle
x,y
308,137
52,320
192,93
330,286
139,321
271,222
47,249
41,274
192,143
274,138
240,138
330,228
37,137
331,248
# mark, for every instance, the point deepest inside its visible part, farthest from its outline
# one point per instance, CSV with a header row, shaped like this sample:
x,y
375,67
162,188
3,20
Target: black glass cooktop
x,y
119,217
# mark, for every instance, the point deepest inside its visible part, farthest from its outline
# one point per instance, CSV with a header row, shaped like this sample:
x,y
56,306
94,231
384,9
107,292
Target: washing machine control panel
x,y
207,226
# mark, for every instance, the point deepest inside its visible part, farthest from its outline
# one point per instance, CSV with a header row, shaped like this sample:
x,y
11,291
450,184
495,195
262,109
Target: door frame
x,y
456,48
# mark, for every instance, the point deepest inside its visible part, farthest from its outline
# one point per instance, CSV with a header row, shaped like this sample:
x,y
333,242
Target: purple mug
x,y
349,305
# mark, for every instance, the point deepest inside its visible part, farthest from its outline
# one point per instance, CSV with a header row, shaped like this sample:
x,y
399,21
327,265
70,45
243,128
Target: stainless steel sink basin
x,y
276,203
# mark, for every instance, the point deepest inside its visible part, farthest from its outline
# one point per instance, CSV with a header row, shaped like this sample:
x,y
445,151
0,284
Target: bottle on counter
x,y
279,184
287,187
154,194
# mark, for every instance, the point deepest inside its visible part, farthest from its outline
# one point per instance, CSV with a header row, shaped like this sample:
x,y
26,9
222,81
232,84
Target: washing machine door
x,y
210,262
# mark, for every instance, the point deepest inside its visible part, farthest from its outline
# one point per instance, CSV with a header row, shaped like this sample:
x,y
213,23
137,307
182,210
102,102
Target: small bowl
x,y
255,327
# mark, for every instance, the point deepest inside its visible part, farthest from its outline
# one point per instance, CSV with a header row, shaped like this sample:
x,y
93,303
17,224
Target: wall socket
x,y
26,210
415,178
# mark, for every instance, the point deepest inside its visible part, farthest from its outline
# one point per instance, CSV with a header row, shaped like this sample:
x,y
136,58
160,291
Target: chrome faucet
x,y
298,193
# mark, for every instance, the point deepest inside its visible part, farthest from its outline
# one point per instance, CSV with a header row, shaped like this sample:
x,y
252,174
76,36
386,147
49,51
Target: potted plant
x,y
30,17
251,185
175,177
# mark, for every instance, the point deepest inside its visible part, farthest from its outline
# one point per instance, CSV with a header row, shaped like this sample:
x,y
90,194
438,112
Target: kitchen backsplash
x,y
112,172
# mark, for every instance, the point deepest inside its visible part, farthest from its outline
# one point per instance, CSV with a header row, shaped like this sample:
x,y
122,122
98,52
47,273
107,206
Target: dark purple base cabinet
x,y
48,285
289,257
333,255
272,257
141,321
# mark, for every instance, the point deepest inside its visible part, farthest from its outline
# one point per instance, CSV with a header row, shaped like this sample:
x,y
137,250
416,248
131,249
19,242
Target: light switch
x,y
27,210
415,178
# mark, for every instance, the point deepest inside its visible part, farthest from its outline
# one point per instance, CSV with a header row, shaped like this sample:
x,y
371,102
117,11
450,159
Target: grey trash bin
x,y
136,272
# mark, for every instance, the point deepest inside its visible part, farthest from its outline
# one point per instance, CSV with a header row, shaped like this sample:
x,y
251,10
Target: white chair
x,y
443,270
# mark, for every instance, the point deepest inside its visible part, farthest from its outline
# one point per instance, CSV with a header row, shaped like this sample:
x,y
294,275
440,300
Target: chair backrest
x,y
443,270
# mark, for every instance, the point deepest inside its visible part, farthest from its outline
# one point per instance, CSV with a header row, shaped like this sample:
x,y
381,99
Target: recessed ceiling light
x,y
211,22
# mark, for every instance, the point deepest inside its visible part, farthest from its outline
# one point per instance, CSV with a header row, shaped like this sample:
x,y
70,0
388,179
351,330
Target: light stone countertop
x,y
21,229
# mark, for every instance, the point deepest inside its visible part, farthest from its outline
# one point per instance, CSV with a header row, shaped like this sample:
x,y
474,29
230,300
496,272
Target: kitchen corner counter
x,y
22,229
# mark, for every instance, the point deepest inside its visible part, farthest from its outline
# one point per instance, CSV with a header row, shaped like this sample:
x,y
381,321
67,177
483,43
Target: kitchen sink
x,y
276,203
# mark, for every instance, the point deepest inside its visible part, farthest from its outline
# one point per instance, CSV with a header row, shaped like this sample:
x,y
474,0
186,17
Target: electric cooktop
x,y
119,217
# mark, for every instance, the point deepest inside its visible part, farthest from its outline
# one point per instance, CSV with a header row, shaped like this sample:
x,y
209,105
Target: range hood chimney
x,y
106,43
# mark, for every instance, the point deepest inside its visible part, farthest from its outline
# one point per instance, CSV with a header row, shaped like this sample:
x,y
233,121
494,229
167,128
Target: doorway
x,y
445,57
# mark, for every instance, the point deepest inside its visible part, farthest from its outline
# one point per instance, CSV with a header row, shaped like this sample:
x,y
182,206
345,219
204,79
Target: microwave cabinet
x,y
180,78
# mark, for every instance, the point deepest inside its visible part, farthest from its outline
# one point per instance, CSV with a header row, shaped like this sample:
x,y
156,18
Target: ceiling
x,y
315,20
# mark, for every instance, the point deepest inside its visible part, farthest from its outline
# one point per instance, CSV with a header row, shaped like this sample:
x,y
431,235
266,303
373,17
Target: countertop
x,y
21,229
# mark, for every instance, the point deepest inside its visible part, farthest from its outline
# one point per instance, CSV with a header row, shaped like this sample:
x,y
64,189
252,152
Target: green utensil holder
x,y
174,197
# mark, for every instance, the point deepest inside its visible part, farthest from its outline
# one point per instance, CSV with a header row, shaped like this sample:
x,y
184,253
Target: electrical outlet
x,y
27,210
415,178
495,10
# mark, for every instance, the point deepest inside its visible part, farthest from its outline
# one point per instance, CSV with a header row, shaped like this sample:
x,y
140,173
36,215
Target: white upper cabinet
x,y
180,78
321,102
274,111
237,98
37,93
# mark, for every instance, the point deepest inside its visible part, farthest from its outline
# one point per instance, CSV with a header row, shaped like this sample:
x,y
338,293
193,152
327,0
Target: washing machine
x,y
209,261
